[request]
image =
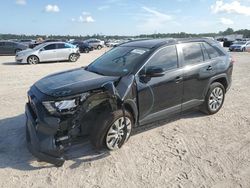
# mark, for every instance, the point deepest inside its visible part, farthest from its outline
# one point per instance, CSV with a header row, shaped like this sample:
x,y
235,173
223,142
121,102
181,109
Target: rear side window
x,y
212,52
192,53
165,58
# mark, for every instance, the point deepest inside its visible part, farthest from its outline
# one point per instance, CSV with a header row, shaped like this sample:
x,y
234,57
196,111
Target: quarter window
x,y
213,53
192,53
166,59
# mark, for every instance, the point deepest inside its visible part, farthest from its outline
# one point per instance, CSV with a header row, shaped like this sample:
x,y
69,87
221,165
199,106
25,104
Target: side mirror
x,y
154,72
42,49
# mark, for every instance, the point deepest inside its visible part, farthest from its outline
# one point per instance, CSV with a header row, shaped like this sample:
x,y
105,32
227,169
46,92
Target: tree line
x,y
229,31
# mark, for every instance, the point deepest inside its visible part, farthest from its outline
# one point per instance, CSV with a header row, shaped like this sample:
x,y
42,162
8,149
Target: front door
x,y
48,53
160,96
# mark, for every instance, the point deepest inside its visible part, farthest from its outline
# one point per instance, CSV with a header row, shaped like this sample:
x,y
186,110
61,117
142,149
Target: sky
x,y
122,17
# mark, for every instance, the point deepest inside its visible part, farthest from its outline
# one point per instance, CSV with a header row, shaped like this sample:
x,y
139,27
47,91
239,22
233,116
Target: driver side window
x,y
165,58
50,47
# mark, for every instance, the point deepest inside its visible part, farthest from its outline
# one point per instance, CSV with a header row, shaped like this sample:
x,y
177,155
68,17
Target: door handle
x,y
209,68
178,79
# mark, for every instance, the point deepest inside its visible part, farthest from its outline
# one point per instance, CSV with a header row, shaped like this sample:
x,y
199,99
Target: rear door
x,y
48,53
63,51
159,97
198,68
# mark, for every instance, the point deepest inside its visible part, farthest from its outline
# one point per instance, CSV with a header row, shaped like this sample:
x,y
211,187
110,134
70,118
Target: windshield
x,y
119,61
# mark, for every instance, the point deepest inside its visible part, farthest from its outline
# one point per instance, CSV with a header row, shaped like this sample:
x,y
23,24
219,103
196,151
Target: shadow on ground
x,y
14,153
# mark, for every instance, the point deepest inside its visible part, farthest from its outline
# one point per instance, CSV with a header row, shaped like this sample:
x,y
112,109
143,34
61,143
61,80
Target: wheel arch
x,y
221,78
32,55
131,107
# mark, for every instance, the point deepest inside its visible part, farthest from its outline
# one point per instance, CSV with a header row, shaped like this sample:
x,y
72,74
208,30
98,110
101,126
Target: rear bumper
x,y
42,146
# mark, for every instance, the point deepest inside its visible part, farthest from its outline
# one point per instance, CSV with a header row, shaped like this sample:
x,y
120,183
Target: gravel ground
x,y
192,151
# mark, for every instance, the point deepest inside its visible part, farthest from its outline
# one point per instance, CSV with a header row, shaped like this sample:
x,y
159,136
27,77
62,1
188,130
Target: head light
x,y
65,106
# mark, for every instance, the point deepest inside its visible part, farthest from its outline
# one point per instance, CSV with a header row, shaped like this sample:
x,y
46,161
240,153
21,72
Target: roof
x,y
154,43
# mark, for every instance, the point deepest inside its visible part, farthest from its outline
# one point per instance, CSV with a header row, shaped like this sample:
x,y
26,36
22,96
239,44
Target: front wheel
x,y
86,50
243,49
112,130
33,60
73,57
214,99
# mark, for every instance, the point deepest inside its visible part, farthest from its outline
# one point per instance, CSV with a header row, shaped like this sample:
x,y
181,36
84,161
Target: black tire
x,y
33,60
73,57
243,49
103,124
206,106
99,47
86,50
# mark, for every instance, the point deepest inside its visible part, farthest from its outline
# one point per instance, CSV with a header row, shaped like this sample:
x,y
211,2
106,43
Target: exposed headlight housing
x,y
67,106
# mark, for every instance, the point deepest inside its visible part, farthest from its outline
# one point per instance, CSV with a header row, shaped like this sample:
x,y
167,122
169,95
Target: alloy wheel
x,y
215,99
117,132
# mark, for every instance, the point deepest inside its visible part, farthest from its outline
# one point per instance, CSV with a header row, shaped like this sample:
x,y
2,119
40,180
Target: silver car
x,y
51,51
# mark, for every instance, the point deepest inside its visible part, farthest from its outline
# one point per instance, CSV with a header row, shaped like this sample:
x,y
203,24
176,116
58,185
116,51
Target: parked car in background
x,y
113,43
11,48
132,85
239,46
84,47
36,43
27,42
95,43
51,51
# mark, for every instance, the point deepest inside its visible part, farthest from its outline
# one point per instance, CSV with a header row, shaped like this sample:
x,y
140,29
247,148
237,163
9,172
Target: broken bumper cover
x,y
37,140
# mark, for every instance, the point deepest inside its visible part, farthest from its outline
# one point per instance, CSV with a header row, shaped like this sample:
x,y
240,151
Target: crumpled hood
x,y
72,82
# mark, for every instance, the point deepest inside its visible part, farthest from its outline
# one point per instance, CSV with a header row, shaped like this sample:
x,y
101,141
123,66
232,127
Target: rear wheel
x,y
214,99
112,130
99,47
33,60
73,57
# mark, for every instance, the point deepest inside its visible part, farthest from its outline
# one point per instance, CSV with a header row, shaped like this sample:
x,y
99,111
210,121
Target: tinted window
x,y
50,47
192,53
212,52
60,46
9,43
166,59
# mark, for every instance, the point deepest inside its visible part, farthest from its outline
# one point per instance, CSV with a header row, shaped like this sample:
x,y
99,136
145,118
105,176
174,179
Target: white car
x,y
248,48
51,51
112,43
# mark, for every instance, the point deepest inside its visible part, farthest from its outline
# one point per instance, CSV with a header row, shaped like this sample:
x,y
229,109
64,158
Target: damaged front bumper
x,y
40,144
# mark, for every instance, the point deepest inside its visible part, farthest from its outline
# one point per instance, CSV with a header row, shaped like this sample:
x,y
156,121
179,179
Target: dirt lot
x,y
192,151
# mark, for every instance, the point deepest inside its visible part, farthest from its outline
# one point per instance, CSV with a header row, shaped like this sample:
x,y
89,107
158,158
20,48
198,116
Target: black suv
x,y
132,85
84,47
